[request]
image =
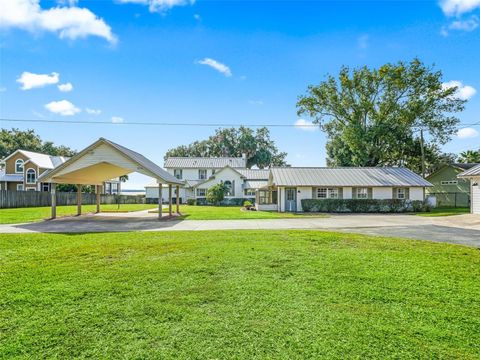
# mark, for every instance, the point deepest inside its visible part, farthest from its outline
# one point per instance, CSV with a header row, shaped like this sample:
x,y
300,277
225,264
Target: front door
x,y
291,199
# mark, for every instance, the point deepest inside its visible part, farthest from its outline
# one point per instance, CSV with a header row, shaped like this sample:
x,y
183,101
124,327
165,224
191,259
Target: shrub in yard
x,y
216,194
364,205
247,204
191,202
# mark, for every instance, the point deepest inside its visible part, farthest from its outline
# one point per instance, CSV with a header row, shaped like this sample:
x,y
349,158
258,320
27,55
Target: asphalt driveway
x,y
461,229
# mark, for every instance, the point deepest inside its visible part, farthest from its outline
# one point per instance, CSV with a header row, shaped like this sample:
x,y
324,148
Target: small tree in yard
x,y
216,194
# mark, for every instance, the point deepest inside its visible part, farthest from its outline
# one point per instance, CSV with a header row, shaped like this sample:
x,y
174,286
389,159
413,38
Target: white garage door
x,y
476,196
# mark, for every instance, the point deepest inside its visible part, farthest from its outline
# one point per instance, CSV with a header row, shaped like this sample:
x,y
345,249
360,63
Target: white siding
x,y
226,174
191,174
416,193
303,193
475,195
347,192
382,193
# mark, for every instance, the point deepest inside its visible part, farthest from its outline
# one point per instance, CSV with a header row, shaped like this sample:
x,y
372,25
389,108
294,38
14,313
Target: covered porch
x,y
104,160
266,199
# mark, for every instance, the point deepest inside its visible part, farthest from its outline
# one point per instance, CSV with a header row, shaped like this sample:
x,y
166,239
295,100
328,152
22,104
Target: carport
x,y
104,160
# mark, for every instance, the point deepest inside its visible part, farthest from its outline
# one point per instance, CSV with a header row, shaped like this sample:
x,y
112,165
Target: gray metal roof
x,y
474,171
465,166
376,176
254,174
204,162
10,177
255,184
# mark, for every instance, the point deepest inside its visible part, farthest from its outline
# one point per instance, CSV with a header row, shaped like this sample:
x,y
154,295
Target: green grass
x,y
237,295
190,212
21,215
445,211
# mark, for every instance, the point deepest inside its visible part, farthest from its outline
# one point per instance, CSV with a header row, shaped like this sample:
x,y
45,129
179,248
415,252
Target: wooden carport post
x,y
178,200
53,188
79,199
97,195
170,200
160,205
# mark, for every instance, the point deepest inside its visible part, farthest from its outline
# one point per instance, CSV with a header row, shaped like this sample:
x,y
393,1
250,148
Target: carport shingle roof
x,y
351,176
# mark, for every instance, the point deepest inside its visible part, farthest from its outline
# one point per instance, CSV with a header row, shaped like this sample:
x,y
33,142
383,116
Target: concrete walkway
x,y
460,229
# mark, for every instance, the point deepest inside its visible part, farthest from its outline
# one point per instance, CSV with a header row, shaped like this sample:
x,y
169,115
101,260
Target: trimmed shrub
x,y
364,205
191,202
247,204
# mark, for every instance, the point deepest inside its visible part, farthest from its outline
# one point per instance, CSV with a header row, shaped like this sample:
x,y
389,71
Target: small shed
x,y
105,160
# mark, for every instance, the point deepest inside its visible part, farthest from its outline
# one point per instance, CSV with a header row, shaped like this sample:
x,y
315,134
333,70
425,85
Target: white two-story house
x,y
201,173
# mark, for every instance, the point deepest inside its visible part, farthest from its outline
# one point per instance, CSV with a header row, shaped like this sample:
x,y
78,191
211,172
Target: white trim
x,y
26,176
23,166
21,187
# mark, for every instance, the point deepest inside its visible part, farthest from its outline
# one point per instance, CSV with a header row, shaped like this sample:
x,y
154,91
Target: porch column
x,y
79,199
279,199
178,199
160,205
170,200
97,193
53,188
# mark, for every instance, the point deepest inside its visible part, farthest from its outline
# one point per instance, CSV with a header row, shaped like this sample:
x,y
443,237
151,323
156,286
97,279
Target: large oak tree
x,y
374,117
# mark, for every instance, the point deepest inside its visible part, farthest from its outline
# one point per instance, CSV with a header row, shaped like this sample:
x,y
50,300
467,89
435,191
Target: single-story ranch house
x,y
282,189
473,175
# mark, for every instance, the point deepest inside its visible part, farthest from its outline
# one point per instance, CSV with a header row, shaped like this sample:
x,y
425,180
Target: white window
x,y
327,193
249,192
362,193
114,188
201,192
401,193
178,173
229,188
45,187
19,166
31,176
449,182
321,193
19,187
202,174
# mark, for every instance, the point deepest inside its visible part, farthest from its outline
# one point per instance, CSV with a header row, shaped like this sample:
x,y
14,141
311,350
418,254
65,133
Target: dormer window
x,y
31,176
202,174
19,166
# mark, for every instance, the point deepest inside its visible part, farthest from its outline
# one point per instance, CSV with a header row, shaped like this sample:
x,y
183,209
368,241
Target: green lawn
x,y
445,211
237,295
21,215
233,213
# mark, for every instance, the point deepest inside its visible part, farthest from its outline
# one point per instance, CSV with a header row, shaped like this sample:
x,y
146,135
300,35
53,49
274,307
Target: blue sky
x,y
214,62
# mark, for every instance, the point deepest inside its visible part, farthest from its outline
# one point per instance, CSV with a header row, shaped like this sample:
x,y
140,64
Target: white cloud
x,y
117,119
255,102
69,22
30,80
197,17
3,89
305,125
93,111
461,25
62,107
458,7
67,87
467,133
159,5
464,92
214,64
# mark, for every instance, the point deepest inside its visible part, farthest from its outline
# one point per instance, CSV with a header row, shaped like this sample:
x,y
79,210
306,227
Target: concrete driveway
x,y
460,229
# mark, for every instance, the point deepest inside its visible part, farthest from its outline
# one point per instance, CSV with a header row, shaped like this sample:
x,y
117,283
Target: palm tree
x,y
469,156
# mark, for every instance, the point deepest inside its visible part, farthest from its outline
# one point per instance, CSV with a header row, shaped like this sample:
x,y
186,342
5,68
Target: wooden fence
x,y
19,199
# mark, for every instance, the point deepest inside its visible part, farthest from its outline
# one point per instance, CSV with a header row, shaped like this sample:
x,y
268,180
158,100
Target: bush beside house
x,y
364,205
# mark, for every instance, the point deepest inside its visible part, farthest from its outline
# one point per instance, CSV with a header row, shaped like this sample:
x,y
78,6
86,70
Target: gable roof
x,y
41,160
465,166
351,176
204,162
458,166
254,174
141,160
474,171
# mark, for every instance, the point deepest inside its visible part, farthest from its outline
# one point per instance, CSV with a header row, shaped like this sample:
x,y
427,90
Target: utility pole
x,y
423,153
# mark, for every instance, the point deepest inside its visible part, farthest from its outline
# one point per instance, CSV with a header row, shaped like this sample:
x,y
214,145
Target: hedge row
x,y
225,202
364,205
